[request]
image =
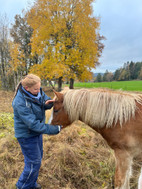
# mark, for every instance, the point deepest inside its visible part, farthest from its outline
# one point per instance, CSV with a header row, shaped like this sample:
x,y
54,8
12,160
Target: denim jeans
x,y
32,149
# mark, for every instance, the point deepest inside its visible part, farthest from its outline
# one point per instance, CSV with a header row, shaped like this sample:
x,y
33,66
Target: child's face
x,y
35,89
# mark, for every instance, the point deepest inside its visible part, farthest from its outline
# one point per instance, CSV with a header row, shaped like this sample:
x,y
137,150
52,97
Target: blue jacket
x,y
29,115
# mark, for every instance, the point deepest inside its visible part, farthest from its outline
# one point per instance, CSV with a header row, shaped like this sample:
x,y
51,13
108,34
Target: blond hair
x,y
100,107
28,81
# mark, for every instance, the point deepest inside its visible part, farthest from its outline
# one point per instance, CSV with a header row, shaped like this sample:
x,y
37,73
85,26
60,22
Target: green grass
x,y
6,124
123,85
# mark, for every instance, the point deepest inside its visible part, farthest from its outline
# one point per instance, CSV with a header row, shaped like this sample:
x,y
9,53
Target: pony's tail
x,y
16,90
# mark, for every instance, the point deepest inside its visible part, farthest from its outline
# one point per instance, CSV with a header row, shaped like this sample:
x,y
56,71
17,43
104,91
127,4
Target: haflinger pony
x,y
116,115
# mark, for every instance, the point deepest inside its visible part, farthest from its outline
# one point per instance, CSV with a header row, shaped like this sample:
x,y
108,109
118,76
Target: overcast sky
x,y
121,24
13,7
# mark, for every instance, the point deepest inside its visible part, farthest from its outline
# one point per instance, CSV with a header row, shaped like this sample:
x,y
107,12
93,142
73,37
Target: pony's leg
x,y
123,169
140,181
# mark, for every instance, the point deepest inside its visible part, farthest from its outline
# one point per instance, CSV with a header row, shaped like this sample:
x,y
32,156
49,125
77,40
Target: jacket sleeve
x,y
29,119
48,106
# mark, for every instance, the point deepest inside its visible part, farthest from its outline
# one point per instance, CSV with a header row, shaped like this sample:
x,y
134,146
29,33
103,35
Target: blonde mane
x,y
100,107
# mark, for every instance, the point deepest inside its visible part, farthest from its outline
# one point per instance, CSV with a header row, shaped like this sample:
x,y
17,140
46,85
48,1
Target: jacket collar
x,y
28,97
31,95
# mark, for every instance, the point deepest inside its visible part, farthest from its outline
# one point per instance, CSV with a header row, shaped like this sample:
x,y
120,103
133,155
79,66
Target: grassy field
x,y
123,85
77,158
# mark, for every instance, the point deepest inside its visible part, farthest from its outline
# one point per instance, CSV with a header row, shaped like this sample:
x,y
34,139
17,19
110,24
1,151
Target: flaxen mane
x,y
100,107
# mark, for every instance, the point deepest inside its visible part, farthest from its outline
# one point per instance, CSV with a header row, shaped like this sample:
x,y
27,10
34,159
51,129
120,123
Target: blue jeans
x,y
32,149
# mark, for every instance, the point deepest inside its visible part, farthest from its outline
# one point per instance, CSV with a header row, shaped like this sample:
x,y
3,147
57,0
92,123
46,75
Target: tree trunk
x,y
51,84
71,83
3,69
4,52
60,84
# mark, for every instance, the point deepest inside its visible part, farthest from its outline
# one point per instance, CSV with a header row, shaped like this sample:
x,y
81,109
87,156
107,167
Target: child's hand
x,y
49,101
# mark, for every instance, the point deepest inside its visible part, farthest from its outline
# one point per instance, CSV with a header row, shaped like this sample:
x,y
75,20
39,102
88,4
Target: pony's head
x,y
60,116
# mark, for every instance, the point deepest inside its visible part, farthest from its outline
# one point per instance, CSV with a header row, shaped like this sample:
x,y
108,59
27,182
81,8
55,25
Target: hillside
x,y
77,158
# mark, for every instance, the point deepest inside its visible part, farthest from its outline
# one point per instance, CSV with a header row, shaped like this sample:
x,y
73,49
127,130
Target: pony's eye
x,y
55,111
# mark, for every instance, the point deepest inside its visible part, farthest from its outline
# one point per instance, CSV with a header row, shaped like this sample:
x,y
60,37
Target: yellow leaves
x,y
16,57
45,70
86,75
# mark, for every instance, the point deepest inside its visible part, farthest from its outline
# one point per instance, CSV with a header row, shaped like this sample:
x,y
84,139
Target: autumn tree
x,y
21,34
4,51
16,64
140,74
107,76
65,35
131,68
99,78
104,77
137,69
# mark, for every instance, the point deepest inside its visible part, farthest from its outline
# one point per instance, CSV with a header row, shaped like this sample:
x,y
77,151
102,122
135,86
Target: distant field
x,y
124,85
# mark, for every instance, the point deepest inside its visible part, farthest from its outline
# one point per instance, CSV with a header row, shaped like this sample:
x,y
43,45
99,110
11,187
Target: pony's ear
x,y
58,95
